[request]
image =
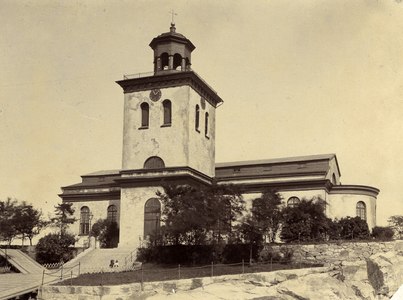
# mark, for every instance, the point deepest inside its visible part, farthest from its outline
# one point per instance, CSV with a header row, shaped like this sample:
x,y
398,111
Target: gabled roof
x,y
279,167
276,160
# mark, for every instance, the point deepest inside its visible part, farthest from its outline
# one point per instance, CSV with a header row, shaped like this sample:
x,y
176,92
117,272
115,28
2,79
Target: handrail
x,y
8,257
138,75
131,256
5,253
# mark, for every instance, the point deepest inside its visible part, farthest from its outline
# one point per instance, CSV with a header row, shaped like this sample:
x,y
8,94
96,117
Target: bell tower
x,y
169,114
172,52
168,133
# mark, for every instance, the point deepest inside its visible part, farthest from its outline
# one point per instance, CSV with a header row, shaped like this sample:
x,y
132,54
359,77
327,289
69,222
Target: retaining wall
x,y
335,253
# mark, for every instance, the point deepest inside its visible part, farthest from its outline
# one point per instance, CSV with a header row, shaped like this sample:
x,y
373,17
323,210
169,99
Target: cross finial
x,y
172,12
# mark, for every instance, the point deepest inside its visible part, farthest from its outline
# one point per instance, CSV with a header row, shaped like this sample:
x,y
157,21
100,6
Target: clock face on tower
x,y
155,95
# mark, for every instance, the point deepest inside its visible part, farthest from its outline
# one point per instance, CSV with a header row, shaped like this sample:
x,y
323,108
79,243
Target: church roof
x,y
276,160
311,164
172,36
278,167
103,172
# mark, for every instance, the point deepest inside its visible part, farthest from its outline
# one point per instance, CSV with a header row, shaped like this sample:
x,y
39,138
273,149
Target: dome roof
x,y
172,36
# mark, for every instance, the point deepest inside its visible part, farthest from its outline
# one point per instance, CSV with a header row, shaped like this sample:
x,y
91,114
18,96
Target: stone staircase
x,y
98,260
22,262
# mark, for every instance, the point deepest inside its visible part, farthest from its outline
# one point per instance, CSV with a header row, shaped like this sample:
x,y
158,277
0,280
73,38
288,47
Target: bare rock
x,y
385,272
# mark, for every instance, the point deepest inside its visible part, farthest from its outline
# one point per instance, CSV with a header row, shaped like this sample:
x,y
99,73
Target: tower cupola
x,y
172,52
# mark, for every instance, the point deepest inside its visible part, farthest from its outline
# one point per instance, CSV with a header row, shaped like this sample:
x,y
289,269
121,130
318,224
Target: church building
x,y
169,138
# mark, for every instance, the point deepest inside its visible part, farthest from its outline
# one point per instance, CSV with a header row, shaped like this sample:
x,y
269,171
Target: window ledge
x,y
166,125
143,127
83,234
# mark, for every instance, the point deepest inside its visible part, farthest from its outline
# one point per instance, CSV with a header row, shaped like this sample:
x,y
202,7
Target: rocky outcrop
x,y
376,278
385,272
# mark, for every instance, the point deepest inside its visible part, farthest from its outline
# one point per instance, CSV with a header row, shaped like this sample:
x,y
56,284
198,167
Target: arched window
x,y
197,118
361,210
177,61
164,61
154,162
152,217
206,124
167,112
112,215
84,220
293,201
145,116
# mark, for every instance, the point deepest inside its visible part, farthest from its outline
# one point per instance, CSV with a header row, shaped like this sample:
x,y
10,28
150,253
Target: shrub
x,y
54,248
306,221
197,254
177,254
267,254
235,253
383,233
353,228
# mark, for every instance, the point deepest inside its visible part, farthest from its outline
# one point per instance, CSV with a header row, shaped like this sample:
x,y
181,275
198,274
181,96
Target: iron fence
x,y
146,274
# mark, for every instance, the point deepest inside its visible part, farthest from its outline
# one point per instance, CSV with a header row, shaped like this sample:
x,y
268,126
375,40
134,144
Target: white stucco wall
x,y
201,148
342,205
99,210
132,215
333,170
179,144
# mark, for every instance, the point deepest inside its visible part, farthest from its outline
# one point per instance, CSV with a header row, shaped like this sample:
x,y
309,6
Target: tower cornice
x,y
179,78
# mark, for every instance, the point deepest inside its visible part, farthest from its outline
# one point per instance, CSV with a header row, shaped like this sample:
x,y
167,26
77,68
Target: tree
x,y
353,228
183,214
267,212
306,221
28,221
63,216
250,232
224,206
54,248
396,222
196,215
106,232
8,229
19,220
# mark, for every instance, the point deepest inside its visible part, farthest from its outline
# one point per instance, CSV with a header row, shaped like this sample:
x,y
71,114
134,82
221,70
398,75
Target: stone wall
x,y
334,253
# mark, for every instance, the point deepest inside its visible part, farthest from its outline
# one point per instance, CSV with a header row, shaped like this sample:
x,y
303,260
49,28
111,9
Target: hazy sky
x,y
297,78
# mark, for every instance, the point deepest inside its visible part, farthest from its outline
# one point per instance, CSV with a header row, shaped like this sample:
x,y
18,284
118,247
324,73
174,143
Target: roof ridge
x,y
277,160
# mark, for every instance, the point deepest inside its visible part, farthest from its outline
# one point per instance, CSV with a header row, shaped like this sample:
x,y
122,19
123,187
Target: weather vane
x,y
173,14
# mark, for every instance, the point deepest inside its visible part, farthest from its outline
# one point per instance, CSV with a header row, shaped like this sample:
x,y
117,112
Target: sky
x,y
297,78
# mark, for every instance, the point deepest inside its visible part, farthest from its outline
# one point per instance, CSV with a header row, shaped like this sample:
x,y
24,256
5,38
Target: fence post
x,y
179,272
71,278
212,269
102,276
243,267
271,263
43,276
142,279
79,267
61,273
